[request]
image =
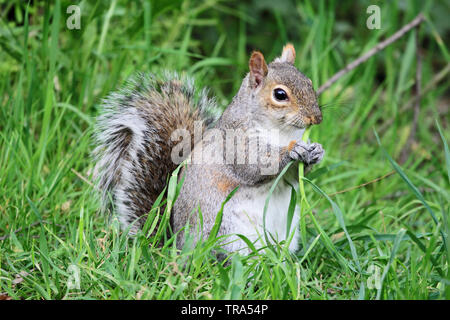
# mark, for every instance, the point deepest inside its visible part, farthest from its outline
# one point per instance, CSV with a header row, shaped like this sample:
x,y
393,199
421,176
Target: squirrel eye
x,y
280,94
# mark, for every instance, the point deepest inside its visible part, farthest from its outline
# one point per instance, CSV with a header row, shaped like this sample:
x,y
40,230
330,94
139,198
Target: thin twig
x,y
412,135
363,185
434,81
6,236
380,46
79,175
397,195
411,102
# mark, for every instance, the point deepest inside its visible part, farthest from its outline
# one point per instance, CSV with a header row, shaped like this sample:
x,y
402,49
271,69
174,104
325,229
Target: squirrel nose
x,y
315,119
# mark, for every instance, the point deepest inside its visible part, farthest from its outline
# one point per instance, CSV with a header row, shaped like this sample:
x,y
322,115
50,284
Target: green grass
x,y
52,80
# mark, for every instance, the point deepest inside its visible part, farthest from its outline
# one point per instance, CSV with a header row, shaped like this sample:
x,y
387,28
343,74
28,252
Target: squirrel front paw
x,y
308,153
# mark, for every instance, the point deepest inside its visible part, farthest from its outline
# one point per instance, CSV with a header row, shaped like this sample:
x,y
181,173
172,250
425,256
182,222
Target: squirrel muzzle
x,y
314,119
313,116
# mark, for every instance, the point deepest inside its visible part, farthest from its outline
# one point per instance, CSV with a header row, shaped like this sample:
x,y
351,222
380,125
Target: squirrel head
x,y
286,95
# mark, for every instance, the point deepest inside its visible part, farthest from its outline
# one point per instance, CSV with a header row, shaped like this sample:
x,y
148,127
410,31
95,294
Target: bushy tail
x,y
133,140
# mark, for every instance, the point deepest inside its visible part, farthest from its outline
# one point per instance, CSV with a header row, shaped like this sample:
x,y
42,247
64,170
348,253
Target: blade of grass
x,y
397,242
316,239
340,217
215,229
266,204
446,150
302,200
411,186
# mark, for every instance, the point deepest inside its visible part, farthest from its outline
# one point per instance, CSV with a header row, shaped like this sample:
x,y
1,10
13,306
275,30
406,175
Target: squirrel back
x,y
133,140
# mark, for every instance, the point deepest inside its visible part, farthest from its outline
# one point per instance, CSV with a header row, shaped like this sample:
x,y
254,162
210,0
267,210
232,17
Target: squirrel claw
x,y
308,153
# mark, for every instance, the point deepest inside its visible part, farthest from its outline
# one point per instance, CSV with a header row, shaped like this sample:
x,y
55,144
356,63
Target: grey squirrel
x,y
142,124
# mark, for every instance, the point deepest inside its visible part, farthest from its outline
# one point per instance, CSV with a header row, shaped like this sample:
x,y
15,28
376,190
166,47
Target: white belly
x,y
250,216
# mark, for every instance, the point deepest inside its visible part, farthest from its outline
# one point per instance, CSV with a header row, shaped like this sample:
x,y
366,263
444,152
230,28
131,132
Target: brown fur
x,y
174,112
291,145
226,184
258,68
288,53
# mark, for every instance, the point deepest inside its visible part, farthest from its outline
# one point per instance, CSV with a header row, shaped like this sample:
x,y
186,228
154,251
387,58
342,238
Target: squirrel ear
x,y
258,69
288,54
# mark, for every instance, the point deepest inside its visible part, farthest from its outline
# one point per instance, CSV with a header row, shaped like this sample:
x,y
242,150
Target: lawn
x,y
379,216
